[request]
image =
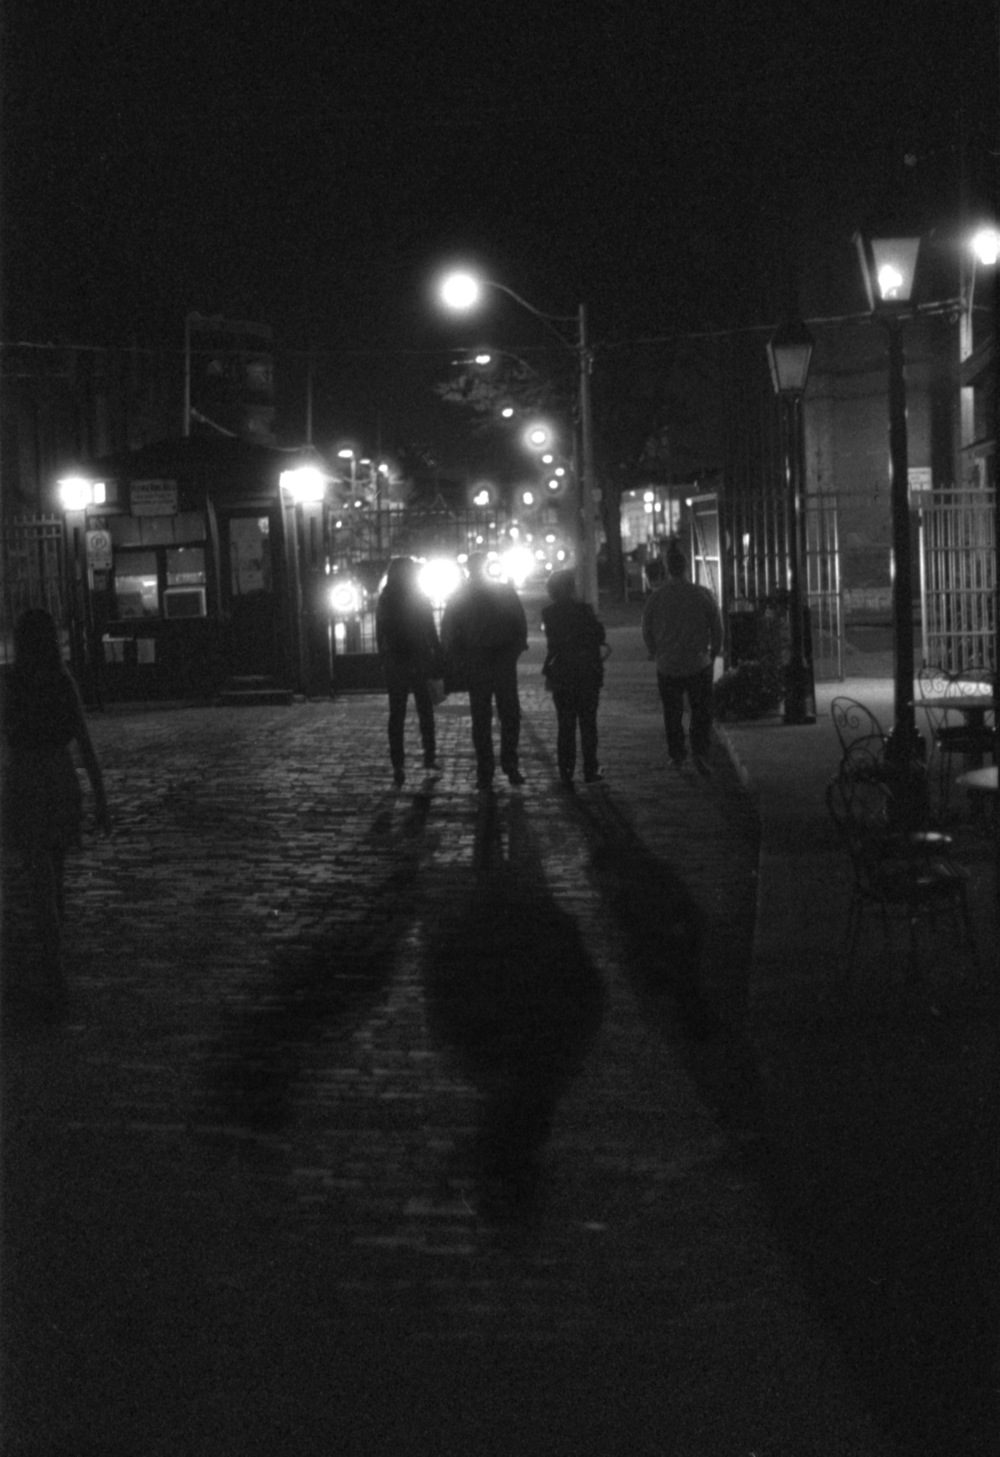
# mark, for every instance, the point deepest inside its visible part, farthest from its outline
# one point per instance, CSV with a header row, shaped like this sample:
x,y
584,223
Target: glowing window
x,y
136,585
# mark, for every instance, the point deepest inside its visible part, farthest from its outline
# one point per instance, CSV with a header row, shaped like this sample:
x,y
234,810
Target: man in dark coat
x,y
574,671
483,633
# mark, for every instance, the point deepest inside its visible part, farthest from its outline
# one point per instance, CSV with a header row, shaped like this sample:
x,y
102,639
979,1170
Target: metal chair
x,y
897,872
857,725
970,740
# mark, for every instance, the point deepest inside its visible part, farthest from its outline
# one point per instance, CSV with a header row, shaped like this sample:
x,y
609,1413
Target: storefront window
x,y
136,586
186,566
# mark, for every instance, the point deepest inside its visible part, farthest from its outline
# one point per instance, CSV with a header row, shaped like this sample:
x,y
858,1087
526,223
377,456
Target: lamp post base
x,y
799,707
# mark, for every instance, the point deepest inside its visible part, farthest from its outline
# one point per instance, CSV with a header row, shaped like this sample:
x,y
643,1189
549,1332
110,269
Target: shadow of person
x,y
514,997
325,976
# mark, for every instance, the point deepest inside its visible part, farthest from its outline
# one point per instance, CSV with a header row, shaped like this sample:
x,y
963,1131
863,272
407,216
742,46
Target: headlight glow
x,y
439,578
345,597
518,565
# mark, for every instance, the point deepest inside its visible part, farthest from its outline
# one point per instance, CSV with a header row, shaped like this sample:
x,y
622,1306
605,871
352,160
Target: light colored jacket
x,y
682,628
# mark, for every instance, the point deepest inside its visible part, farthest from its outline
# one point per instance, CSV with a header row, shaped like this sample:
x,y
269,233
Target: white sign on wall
x,y
919,478
99,550
153,498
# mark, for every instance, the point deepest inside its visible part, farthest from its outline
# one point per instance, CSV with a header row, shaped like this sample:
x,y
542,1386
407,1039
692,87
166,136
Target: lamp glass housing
x,y
789,353
889,268
305,484
76,493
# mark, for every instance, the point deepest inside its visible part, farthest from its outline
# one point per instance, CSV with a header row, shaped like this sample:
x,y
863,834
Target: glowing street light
x,y
460,291
305,484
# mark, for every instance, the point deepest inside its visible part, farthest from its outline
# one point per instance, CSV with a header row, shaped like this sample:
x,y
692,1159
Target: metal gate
x,y
34,574
706,557
752,571
822,583
958,579
359,546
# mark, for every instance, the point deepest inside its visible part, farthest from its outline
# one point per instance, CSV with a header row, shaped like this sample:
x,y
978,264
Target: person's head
x,y
476,566
677,562
36,640
561,586
401,573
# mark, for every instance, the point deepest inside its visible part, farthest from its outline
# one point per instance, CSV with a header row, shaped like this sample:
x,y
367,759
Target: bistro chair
x,y
951,731
861,736
907,875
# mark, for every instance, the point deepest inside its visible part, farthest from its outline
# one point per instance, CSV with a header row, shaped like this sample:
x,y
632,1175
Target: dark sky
x,y
308,165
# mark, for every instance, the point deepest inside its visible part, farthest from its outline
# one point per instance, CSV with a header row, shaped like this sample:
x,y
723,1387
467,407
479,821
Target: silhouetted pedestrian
x,y
483,632
574,671
43,803
407,640
682,630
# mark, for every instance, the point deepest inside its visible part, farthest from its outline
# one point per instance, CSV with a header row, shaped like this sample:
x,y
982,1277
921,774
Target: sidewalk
x,y
415,1123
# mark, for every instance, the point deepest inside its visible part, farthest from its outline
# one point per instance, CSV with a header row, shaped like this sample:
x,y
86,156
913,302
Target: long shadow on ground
x,y
327,977
512,993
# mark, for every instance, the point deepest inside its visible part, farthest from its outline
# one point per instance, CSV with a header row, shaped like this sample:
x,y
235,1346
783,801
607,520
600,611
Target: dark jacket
x,y
405,632
574,635
483,627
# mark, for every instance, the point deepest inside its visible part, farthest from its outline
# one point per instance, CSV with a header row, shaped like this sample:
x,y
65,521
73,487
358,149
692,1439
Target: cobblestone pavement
x,y
408,1122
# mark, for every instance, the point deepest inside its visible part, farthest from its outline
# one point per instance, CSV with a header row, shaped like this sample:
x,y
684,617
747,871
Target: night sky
x,y
309,165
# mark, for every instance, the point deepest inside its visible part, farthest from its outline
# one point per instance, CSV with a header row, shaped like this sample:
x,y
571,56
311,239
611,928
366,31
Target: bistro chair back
x,y
907,876
856,725
954,730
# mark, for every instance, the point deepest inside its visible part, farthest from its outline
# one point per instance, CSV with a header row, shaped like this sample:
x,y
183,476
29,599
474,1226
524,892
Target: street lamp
x,y
888,268
980,250
789,352
462,291
304,486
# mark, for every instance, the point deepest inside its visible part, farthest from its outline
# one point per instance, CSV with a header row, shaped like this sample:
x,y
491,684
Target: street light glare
x,y
890,280
460,291
986,246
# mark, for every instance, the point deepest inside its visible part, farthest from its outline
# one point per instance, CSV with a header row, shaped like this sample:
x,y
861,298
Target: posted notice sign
x,y
153,498
99,550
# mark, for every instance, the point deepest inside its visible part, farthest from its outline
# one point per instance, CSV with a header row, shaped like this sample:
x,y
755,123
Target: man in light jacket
x,y
682,630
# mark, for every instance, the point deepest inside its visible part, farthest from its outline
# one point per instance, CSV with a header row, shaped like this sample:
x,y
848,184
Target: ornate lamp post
x,y
78,494
304,488
462,291
789,353
888,268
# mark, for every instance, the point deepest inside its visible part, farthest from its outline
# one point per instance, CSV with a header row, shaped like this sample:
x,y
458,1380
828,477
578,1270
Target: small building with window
x,y
186,571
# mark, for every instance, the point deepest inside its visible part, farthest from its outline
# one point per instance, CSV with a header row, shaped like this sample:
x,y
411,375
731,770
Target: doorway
x,y
250,599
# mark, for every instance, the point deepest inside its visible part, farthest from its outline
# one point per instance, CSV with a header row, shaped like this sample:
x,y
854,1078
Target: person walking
x,y
483,632
574,672
43,803
408,643
682,631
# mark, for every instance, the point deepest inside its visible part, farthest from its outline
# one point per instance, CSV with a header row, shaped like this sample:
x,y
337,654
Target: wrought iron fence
x,y
360,544
958,579
34,574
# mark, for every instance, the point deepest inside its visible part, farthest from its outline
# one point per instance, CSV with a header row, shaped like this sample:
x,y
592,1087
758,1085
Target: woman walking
x,y
407,640
42,716
574,672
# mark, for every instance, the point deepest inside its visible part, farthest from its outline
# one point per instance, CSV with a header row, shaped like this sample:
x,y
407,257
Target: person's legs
x,y
672,698
425,716
45,868
397,723
699,692
565,705
586,705
397,682
481,708
509,714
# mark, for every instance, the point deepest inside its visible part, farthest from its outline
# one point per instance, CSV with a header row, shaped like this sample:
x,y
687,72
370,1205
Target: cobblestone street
x,y
400,1120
